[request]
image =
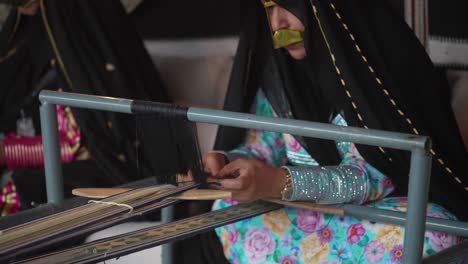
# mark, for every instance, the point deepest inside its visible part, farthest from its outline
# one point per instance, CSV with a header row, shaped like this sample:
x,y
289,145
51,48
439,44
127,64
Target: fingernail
x,y
215,182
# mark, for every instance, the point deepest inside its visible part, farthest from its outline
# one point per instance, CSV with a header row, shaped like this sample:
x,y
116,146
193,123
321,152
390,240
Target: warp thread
x,y
113,203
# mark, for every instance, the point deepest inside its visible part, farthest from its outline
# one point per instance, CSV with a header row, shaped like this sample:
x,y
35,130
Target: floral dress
x,y
293,235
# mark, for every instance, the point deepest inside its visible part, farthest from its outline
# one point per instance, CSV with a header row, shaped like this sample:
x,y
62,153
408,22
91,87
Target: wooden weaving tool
x,y
206,194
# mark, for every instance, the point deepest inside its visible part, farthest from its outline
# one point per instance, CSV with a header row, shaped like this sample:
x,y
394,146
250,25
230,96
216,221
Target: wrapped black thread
x,y
156,109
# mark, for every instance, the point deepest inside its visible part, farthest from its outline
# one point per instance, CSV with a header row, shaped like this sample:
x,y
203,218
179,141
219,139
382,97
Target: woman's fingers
x,y
189,176
235,184
213,162
236,176
233,169
242,197
239,177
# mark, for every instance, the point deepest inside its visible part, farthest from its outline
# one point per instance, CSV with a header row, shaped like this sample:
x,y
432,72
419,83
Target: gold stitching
x,y
54,43
9,54
385,91
337,69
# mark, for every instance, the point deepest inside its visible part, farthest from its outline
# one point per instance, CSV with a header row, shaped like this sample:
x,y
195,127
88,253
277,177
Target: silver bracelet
x,y
329,185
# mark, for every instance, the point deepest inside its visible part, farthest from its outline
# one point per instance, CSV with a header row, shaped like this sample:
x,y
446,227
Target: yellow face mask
x,y
283,37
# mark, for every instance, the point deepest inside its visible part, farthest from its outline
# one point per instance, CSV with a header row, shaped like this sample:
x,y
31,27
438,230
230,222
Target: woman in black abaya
x,y
77,46
350,63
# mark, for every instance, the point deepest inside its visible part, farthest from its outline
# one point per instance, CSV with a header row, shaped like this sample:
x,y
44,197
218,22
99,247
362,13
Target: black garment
x,y
399,63
446,28
30,183
447,19
96,50
14,3
194,19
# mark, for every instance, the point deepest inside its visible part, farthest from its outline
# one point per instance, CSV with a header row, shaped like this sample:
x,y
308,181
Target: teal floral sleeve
x,y
380,185
266,146
283,149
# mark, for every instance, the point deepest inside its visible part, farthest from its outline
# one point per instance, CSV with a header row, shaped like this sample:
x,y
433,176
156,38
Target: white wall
x,y
196,73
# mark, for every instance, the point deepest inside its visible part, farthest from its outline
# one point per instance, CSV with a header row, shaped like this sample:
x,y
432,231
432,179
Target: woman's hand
x,y
213,163
250,179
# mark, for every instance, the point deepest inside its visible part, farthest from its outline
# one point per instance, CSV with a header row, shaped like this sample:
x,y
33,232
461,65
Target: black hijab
x,y
381,78
96,51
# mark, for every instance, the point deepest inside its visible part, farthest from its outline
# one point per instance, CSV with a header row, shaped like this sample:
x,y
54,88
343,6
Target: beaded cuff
x,y
23,152
329,185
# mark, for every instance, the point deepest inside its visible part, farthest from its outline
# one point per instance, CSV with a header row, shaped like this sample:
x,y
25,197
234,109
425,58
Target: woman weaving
x,y
350,64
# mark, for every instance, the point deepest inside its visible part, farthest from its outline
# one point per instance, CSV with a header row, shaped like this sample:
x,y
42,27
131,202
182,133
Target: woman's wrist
x,y
279,183
287,190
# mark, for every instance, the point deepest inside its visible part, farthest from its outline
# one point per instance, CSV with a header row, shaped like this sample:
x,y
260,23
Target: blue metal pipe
x,y
399,218
310,129
102,103
418,145
52,165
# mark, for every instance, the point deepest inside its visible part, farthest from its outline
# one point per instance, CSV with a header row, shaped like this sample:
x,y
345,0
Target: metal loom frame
x,y
414,220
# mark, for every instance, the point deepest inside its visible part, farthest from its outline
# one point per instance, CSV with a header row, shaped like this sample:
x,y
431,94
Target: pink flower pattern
x,y
263,153
231,201
355,232
288,260
294,146
258,245
233,236
374,251
440,241
326,234
308,221
396,254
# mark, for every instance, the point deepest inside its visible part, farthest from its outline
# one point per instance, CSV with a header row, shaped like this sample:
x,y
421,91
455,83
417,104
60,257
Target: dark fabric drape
x,y
17,93
447,19
186,19
93,48
97,65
